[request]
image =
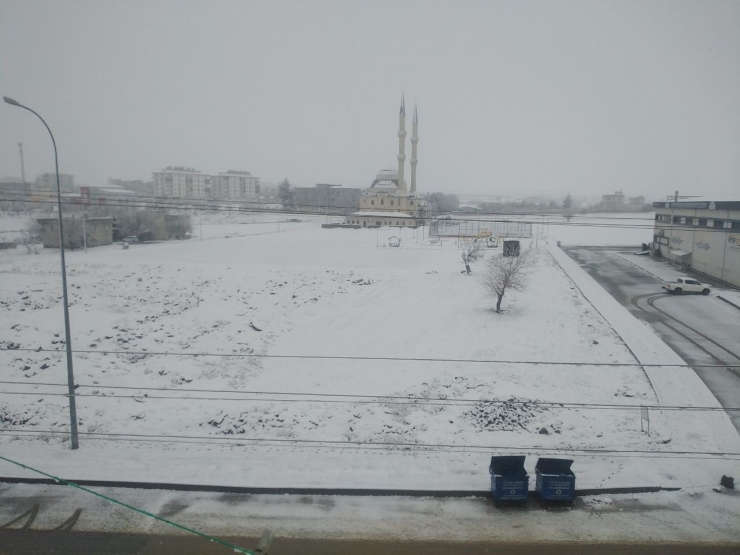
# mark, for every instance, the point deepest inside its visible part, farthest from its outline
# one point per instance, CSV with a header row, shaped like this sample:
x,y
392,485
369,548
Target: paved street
x,y
702,330
22,542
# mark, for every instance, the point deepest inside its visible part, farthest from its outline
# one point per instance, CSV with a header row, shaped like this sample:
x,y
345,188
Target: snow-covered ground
x,y
268,293
631,229
695,515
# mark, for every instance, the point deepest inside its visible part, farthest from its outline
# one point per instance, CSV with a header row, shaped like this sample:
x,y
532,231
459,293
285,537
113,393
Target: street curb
x,y
351,492
728,302
638,266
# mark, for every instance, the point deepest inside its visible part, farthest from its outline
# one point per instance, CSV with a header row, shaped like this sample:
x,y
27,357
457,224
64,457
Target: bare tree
x,y
31,236
73,238
473,249
504,273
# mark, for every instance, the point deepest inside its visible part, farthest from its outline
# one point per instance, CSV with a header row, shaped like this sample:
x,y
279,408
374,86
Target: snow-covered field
x,y
298,333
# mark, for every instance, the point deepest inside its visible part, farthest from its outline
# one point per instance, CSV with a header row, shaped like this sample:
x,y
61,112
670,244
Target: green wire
x,y
236,548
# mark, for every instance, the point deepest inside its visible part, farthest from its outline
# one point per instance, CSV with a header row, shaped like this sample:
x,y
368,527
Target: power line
x,y
248,209
352,399
318,443
58,480
405,218
18,191
374,358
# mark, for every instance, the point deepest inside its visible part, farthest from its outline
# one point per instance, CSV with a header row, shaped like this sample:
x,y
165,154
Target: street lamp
x,y
67,334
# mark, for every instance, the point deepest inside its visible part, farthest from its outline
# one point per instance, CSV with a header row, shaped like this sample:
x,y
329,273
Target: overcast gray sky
x,y
514,97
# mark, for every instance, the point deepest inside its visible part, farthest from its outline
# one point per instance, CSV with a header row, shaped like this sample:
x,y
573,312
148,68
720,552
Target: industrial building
x,y
90,232
700,233
327,198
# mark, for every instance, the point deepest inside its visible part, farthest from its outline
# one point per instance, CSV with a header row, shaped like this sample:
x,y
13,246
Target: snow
x,y
332,293
694,515
606,229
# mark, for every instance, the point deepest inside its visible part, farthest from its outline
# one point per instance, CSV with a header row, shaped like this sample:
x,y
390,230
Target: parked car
x,y
131,239
687,285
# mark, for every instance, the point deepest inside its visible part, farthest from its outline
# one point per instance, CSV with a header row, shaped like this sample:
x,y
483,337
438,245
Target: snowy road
x,y
702,330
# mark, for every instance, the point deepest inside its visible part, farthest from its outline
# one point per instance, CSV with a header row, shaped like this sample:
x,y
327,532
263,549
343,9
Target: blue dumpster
x,y
509,480
555,480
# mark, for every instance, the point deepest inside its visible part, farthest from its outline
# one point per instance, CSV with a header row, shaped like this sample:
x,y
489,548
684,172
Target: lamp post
x,y
67,334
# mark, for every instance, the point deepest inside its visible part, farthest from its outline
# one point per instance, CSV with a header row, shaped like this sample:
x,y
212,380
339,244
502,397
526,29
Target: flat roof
x,y
383,214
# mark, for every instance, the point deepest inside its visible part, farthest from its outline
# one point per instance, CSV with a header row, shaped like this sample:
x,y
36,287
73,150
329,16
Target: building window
x,y
372,202
719,223
676,220
702,222
382,201
391,203
736,225
377,223
412,203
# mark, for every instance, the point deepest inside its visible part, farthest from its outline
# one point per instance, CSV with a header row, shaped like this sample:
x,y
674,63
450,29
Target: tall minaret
x,y
414,140
401,146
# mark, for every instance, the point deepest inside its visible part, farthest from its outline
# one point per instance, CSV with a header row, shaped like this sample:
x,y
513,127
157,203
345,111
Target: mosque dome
x,y
386,179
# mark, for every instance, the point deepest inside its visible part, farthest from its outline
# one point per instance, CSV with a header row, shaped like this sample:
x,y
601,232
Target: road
x,y
702,330
24,542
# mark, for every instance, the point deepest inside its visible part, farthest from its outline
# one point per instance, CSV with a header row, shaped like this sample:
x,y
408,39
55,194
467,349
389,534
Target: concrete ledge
x,y
354,492
728,302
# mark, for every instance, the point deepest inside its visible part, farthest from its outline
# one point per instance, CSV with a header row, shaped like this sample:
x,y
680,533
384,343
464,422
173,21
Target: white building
x,y
235,185
179,182
48,181
387,202
700,233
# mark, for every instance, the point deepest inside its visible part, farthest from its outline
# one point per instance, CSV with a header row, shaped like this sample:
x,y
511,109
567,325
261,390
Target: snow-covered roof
x,y
383,214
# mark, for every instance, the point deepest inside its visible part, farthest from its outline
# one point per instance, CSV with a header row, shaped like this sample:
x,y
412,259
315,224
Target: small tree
x,y
73,238
568,207
30,236
473,249
285,193
506,272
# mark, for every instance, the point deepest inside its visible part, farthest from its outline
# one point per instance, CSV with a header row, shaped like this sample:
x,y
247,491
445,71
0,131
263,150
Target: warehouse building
x,y
700,233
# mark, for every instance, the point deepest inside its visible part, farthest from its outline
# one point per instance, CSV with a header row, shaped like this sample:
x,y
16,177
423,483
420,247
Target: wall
x,y
98,231
715,252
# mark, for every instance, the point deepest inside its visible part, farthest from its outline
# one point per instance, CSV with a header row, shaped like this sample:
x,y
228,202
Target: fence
x,y
474,228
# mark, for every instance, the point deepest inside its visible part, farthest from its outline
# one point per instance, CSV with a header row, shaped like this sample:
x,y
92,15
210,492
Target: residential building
x,y
48,181
700,233
234,185
326,198
142,188
179,182
613,202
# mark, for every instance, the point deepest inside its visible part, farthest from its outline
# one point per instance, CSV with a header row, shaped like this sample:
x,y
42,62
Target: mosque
x,y
387,202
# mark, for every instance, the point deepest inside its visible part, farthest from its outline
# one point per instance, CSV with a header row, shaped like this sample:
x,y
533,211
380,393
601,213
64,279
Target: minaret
x,y
414,140
401,146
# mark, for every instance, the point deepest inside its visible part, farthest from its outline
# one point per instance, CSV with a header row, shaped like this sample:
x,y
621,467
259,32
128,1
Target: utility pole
x,y
23,167
65,299
84,232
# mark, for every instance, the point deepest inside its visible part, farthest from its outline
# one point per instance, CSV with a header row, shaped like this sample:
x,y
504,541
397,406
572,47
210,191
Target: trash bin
x,y
509,480
555,481
511,248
